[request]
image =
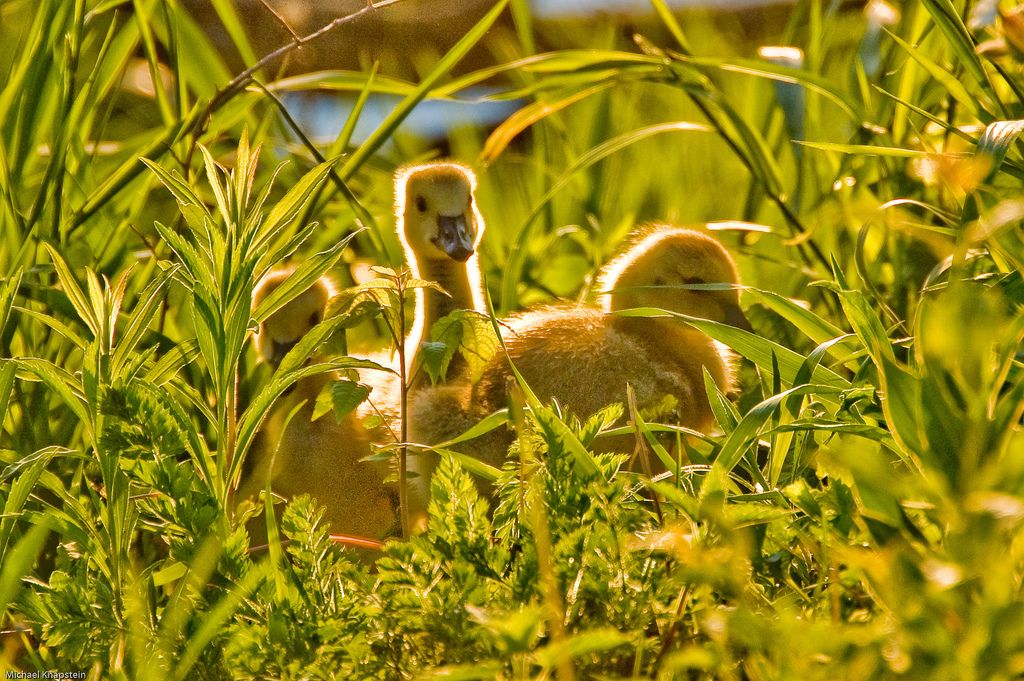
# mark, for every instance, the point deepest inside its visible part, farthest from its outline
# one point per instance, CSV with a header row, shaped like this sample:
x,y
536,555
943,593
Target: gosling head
x,y
279,332
652,272
437,214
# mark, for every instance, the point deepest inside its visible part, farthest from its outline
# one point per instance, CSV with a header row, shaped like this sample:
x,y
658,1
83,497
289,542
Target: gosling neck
x,y
456,280
462,283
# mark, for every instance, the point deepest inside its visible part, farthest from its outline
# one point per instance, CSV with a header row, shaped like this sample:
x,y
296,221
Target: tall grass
x,y
859,515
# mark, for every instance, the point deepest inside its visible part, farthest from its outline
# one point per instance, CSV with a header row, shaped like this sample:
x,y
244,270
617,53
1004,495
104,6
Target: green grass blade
x,y
517,254
387,127
74,292
746,431
21,487
300,280
757,349
947,18
946,79
17,563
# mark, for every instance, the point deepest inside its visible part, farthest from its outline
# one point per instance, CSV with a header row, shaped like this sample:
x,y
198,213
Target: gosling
x,y
322,458
440,227
584,357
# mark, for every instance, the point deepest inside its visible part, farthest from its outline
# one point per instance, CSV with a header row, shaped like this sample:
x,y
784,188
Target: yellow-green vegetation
x,y
856,513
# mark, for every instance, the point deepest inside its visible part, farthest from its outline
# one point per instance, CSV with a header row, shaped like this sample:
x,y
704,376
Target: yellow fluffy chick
x,y
584,356
321,458
440,226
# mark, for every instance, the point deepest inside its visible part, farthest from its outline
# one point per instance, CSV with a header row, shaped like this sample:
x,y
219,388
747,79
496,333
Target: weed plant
x,y
859,514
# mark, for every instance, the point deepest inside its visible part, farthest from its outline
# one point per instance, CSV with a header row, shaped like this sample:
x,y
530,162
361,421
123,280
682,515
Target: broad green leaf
x,y
468,332
433,357
346,396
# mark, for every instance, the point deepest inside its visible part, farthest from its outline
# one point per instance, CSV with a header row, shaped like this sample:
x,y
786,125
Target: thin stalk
x,y
403,450
363,217
229,453
673,630
554,610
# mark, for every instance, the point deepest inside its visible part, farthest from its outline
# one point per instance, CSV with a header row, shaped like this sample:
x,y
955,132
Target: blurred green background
x,y
858,516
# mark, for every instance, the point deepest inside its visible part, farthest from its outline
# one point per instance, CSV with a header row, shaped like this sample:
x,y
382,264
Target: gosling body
x,y
585,356
322,458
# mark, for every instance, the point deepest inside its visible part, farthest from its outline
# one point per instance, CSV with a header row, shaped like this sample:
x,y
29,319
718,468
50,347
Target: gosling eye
x,y
693,280
659,281
314,319
421,204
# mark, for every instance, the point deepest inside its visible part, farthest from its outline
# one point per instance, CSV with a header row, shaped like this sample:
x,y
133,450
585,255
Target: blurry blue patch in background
x,y
547,9
322,115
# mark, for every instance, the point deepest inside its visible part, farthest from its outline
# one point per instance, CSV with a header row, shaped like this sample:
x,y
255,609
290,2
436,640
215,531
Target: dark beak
x,y
453,237
279,350
734,317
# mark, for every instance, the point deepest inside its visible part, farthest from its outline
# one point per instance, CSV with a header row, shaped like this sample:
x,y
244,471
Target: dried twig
x,y
281,20
243,78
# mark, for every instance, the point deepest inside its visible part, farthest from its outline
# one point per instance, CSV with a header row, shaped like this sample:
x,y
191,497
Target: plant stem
x,y
403,450
229,452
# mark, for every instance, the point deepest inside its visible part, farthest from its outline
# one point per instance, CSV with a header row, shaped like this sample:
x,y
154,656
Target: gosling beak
x,y
453,237
278,350
734,317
